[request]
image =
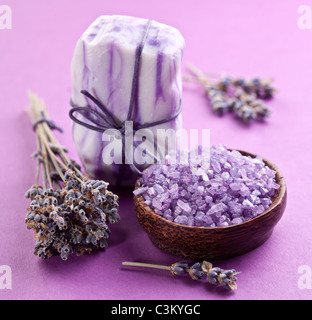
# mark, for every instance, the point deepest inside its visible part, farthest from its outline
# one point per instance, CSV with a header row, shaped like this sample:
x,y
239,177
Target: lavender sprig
x,y
198,271
69,212
244,98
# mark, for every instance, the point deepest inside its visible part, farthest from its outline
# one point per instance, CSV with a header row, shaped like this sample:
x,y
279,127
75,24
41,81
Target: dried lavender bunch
x,y
248,107
243,98
69,212
198,271
218,99
262,88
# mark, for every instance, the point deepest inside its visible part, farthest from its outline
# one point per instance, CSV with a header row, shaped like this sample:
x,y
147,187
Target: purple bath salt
x,y
184,206
234,189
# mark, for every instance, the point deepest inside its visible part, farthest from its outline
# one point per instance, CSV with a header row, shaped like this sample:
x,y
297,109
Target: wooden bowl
x,y
204,243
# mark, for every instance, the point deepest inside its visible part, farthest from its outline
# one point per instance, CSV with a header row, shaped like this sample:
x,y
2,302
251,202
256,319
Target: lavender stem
x,y
146,265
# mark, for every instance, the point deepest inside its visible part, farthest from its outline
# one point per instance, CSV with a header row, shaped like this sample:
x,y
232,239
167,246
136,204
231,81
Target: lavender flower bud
x,y
37,218
179,268
196,272
53,215
64,256
102,244
113,217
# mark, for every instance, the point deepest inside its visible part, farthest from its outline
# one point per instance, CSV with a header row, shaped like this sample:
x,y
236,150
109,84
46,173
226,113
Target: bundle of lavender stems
x,y
68,211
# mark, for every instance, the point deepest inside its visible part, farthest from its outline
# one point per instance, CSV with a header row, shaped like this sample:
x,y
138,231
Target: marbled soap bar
x,y
103,64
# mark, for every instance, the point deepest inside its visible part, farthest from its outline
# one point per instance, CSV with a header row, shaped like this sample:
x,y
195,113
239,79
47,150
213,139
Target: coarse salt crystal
x,y
184,206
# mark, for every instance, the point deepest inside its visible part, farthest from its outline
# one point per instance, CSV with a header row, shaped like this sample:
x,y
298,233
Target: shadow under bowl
x,y
217,243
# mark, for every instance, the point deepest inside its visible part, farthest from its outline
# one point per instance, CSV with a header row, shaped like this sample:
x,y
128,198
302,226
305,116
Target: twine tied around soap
x,y
103,120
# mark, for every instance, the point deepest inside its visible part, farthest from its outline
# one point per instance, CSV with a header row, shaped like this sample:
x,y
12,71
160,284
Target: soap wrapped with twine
x,y
124,69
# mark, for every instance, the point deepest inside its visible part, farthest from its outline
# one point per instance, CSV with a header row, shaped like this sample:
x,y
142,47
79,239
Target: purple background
x,y
243,38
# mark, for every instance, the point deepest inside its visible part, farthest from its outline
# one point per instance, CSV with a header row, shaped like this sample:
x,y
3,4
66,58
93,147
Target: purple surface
x,y
243,38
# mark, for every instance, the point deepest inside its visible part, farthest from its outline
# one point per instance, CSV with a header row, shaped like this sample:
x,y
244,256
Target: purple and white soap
x,y
103,64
